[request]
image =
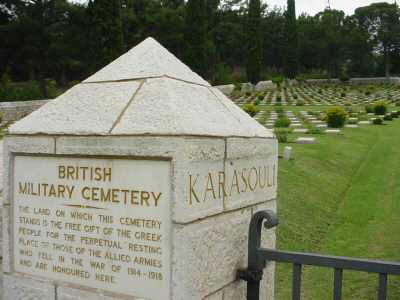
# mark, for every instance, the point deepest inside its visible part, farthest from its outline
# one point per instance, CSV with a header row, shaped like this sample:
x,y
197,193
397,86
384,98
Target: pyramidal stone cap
x,y
146,91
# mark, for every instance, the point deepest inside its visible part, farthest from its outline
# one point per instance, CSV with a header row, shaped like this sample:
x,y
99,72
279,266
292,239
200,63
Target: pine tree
x,y
254,43
291,43
105,36
195,36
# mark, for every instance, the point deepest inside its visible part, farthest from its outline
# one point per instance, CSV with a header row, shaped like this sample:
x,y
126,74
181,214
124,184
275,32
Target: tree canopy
x,y
220,39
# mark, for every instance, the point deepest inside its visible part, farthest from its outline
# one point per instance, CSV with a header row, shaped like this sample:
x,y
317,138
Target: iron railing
x,y
258,257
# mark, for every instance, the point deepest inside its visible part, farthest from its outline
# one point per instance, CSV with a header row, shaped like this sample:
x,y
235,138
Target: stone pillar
x,y
139,183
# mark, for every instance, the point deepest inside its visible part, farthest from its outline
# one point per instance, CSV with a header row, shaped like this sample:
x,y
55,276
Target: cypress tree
x,y
105,36
291,43
195,36
254,43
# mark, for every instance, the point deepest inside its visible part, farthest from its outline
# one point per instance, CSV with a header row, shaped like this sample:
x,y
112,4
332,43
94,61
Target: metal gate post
x,y
254,272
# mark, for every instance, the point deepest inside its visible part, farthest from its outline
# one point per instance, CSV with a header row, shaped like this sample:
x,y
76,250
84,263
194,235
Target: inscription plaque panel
x,y
96,222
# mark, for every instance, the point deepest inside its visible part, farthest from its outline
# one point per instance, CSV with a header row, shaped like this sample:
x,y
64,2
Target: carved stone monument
x,y
138,183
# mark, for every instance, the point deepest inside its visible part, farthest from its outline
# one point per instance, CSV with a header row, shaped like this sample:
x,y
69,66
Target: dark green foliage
x,y
336,117
388,118
104,32
278,80
281,134
66,41
282,122
27,91
380,108
251,109
291,42
369,109
382,22
344,77
300,103
377,121
394,115
195,37
254,42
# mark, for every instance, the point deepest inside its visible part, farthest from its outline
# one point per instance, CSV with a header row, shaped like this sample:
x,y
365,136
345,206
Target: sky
x,y
312,7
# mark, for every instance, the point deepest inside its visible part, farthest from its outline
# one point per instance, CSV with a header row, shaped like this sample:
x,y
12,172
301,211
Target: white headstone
x,y
227,89
305,140
287,153
138,183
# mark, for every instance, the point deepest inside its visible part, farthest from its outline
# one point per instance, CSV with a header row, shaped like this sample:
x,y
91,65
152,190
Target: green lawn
x,y
341,196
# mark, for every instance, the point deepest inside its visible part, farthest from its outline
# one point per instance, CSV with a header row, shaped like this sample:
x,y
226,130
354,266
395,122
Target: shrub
x,y
397,103
251,109
336,117
282,122
395,114
344,77
380,108
279,98
279,110
295,96
301,78
238,87
10,91
343,95
369,108
260,97
222,74
51,88
300,103
281,135
377,121
278,80
314,130
388,118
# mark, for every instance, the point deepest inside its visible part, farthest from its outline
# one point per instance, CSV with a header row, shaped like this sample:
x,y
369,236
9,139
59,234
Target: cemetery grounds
x,y
341,194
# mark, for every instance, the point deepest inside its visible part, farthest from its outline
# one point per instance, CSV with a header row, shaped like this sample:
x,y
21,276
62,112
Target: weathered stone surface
x,y
213,252
247,88
22,288
15,110
171,107
70,293
253,162
84,109
146,60
148,106
227,89
215,296
6,239
21,144
264,85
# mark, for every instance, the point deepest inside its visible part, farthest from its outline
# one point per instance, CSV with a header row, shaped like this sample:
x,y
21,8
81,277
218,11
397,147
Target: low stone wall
x,y
13,111
371,80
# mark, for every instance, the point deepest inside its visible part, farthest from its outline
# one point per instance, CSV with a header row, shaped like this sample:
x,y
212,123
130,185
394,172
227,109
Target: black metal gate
x,y
258,257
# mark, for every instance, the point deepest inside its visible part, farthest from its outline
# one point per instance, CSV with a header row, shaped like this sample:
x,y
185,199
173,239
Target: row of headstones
x,y
311,96
297,125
